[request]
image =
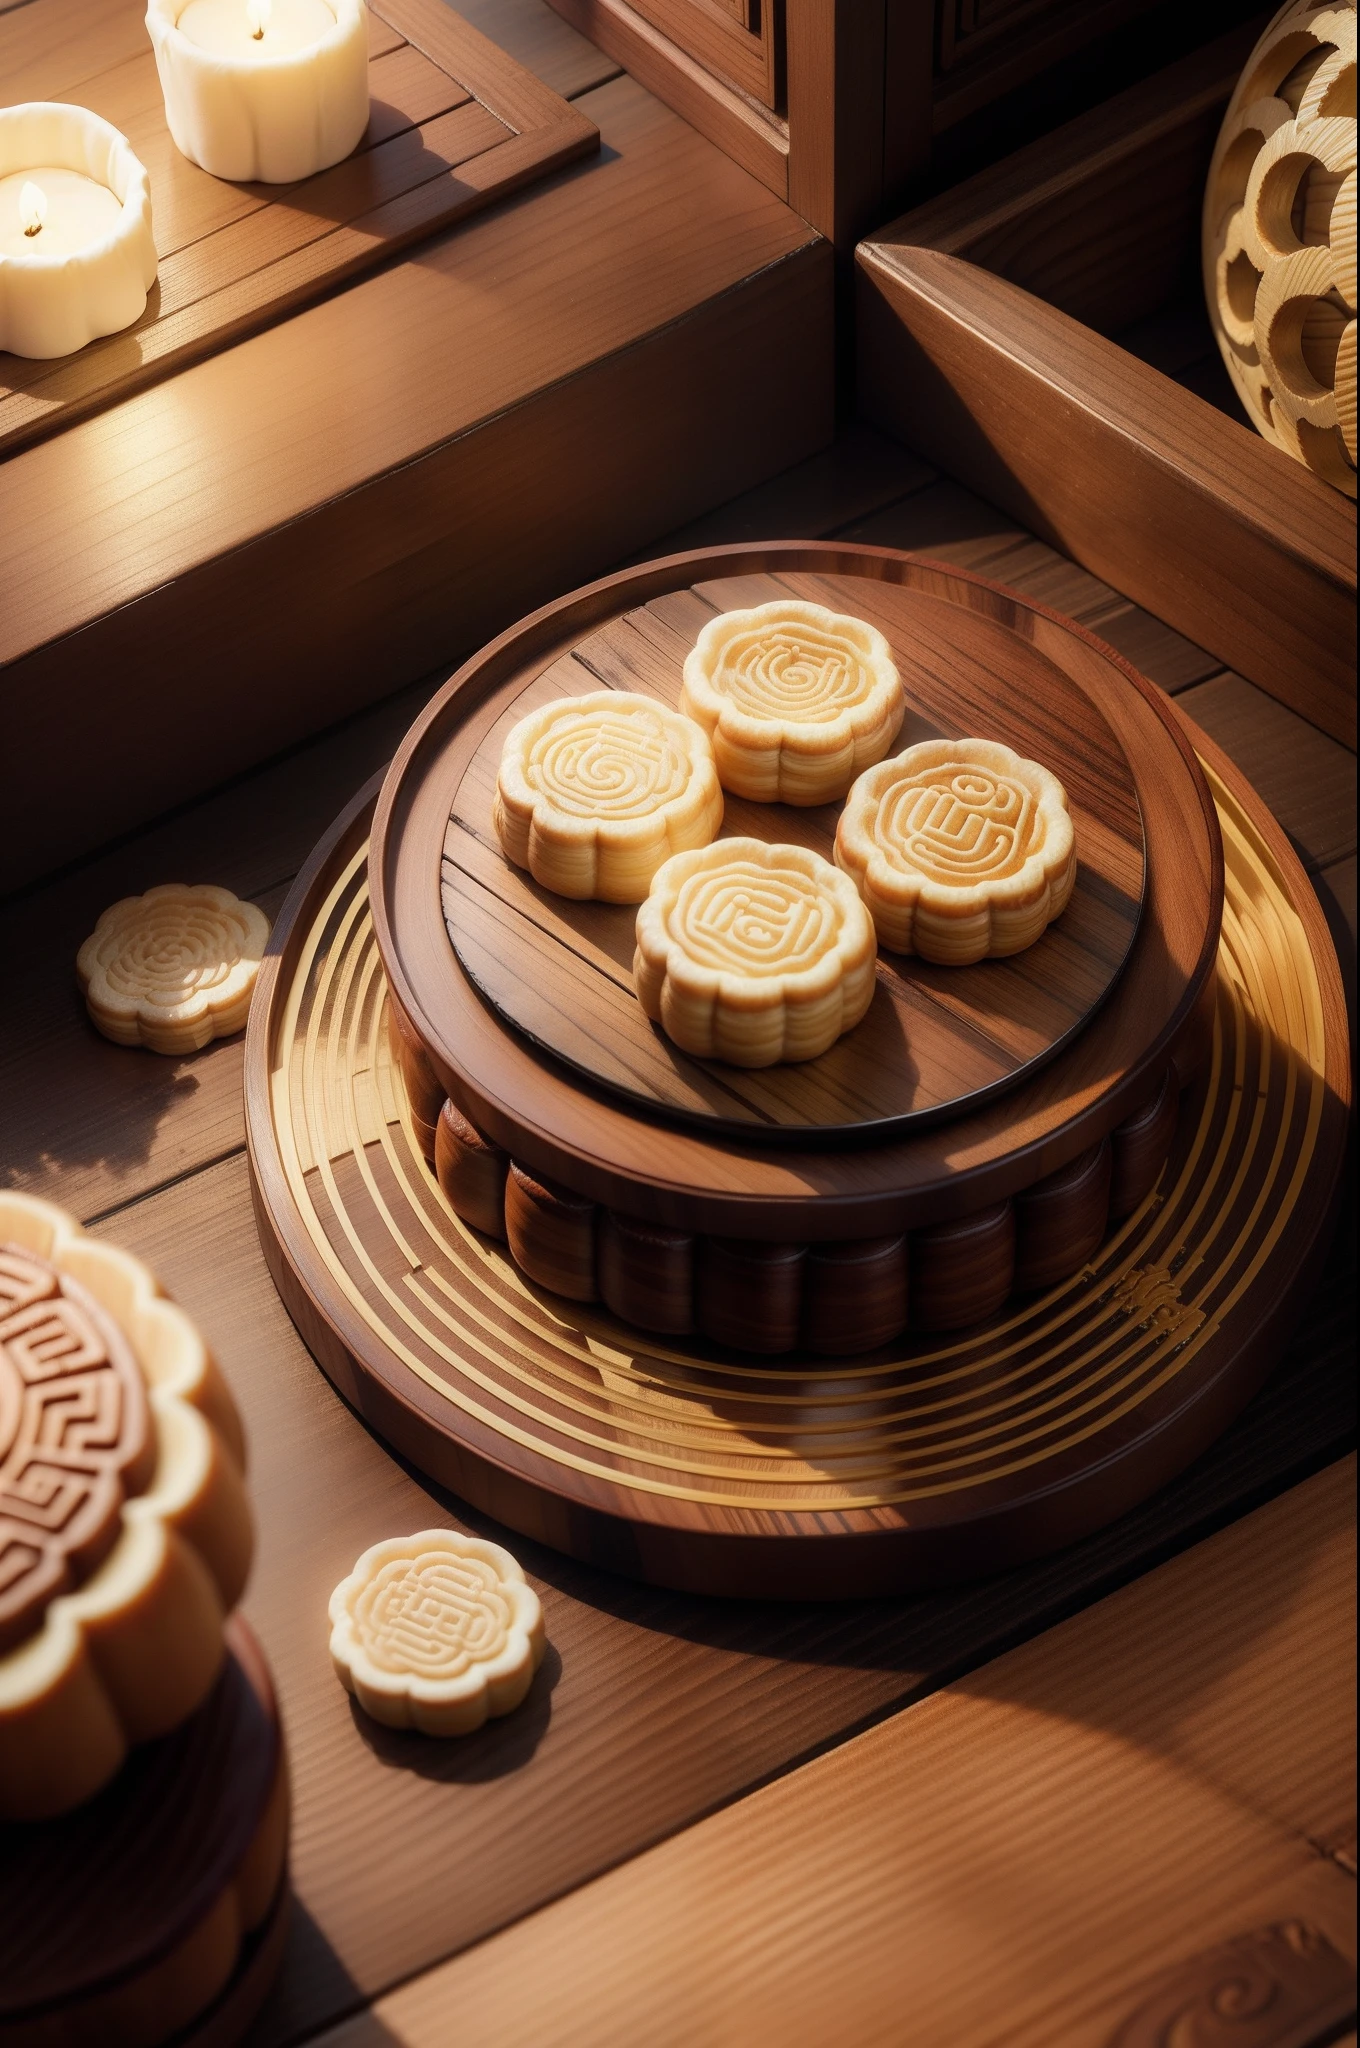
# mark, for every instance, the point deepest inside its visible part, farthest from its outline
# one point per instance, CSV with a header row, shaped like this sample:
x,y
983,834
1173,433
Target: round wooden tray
x,y
974,644
936,1039
132,1907
922,1463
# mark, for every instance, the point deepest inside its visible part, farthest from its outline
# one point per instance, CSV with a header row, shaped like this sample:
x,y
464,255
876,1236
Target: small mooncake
x,y
595,792
753,953
960,849
797,700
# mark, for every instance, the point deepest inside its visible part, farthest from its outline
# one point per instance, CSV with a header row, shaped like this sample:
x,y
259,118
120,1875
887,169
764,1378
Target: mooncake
x,y
595,792
125,1533
436,1631
960,849
174,968
753,953
797,700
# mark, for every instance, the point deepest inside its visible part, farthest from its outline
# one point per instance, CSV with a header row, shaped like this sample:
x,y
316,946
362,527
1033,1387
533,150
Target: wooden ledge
x,y
248,551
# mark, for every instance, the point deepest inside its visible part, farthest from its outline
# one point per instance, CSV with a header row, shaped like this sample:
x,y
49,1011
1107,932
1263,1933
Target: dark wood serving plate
x,y
927,1461
705,1177
157,1910
936,1040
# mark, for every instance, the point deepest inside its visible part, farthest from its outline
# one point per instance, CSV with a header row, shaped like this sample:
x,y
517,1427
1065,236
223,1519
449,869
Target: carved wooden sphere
x,y
1279,237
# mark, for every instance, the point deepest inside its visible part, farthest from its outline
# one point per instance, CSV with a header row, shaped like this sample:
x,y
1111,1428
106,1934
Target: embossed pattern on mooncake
x,y
797,700
75,1436
595,792
961,850
173,969
436,1631
125,1532
753,953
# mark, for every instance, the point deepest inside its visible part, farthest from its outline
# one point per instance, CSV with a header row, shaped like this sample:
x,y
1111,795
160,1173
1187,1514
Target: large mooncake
x,y
961,849
125,1533
595,792
797,700
753,953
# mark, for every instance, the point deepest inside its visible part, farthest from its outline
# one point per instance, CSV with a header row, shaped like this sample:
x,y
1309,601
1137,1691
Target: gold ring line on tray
x,y
585,1394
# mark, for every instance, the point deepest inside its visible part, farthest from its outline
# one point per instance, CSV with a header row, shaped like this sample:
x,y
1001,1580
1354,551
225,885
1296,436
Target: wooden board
x,y
111,1899
700,1178
1093,1835
347,530
924,1463
936,1041
982,331
454,124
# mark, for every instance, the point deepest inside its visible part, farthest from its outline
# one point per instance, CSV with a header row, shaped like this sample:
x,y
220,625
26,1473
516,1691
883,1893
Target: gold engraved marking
x,y
436,1631
1150,1297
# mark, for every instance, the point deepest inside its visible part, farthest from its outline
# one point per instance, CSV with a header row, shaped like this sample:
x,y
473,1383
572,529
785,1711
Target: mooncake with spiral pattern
x,y
961,850
173,969
797,700
595,792
754,953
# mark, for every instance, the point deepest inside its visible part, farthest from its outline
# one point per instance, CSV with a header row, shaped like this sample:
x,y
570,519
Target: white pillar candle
x,y
262,89
77,255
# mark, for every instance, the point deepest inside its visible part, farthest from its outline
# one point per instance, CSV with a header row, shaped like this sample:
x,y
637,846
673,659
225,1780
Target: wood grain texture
x,y
606,1761
517,1410
617,1757
445,138
1307,779
986,379
1120,1795
752,136
937,1040
337,565
702,1179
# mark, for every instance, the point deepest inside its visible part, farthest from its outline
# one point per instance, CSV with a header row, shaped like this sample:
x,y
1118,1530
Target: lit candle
x,y
262,89
77,255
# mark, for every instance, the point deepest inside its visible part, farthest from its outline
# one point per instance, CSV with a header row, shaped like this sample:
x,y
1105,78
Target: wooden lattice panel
x,y
1279,237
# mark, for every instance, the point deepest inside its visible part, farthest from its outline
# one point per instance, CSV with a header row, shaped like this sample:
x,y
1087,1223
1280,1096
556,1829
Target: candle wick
x,y
258,35
36,229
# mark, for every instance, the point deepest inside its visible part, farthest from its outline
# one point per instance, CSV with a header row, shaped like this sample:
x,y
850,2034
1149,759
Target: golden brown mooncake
x,y
595,792
125,1532
961,849
753,953
797,700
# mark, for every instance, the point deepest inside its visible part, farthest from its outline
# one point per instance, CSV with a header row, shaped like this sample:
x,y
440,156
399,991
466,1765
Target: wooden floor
x,y
983,1816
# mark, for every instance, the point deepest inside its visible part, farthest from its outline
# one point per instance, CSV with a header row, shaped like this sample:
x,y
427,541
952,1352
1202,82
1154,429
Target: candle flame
x,y
32,207
257,14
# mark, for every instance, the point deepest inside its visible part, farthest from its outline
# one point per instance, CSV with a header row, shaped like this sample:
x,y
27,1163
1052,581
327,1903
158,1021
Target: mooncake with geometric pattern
x,y
961,850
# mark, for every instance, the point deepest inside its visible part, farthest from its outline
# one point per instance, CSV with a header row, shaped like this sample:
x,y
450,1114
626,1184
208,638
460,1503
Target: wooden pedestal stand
x,y
687,1461
163,1902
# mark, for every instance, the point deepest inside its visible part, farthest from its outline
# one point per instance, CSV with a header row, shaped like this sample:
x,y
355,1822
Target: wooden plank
x,y
652,1708
1238,547
752,137
1307,779
722,40
536,37
967,353
235,259
835,86
334,563
1125,1792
